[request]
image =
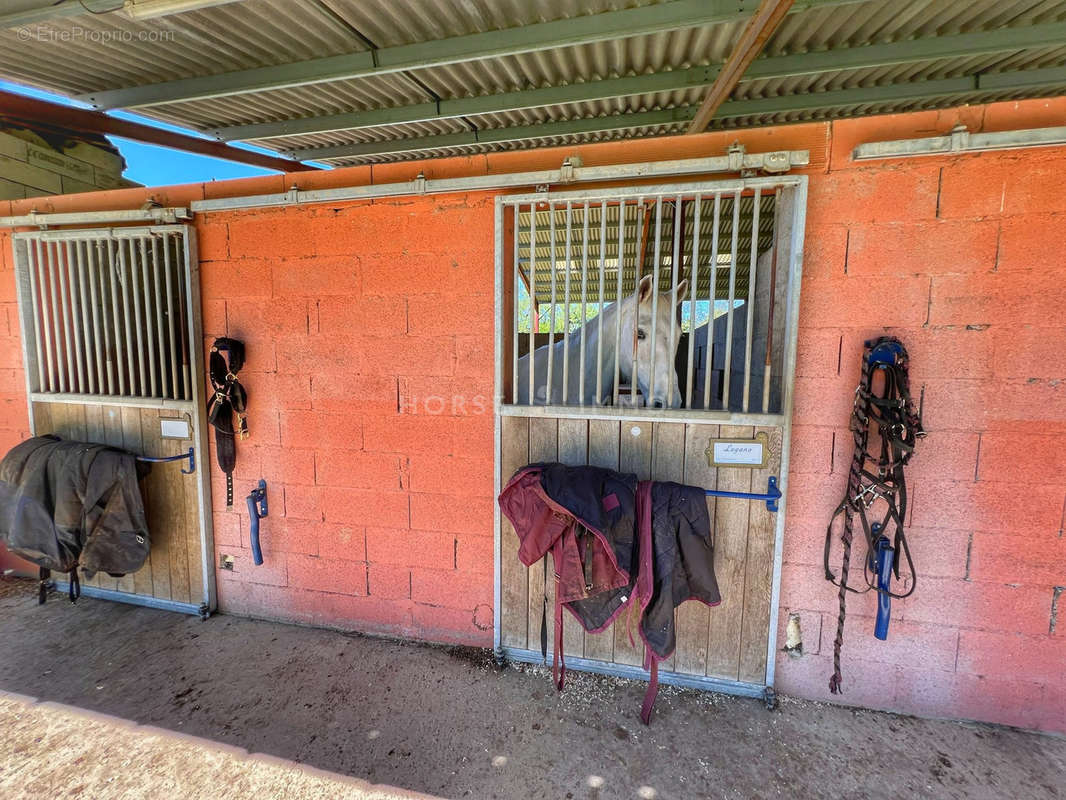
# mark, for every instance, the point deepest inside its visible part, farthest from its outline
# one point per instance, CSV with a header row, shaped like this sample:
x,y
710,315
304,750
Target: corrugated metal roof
x,y
97,52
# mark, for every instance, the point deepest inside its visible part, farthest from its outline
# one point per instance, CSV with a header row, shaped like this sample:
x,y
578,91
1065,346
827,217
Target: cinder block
x,y
980,605
327,575
826,402
9,190
357,469
282,535
340,542
1031,352
406,355
212,240
455,626
254,320
434,549
1012,656
366,316
1016,297
302,502
1033,242
317,429
1024,405
342,393
409,434
944,455
233,279
269,234
451,588
435,314
1023,457
389,581
811,450
990,506
442,396
365,507
1032,560
435,474
936,247
854,302
825,249
317,276
939,552
974,186
874,194
474,356
321,355
452,513
271,573
818,352
364,614
985,699
286,465
474,554
1033,186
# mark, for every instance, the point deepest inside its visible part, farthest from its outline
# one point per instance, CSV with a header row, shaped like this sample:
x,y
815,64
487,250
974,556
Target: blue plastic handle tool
x,y
257,509
770,497
884,557
885,354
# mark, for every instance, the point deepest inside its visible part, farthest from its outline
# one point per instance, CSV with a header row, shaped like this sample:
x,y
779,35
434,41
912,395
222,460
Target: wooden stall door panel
x,y
730,553
573,450
692,618
668,464
514,577
543,446
758,569
603,452
171,501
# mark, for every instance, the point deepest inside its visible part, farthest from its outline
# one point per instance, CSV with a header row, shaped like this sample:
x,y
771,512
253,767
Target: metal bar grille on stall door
x,y
575,260
109,315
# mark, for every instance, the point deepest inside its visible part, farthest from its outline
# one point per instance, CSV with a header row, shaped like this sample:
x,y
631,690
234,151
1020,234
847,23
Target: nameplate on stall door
x,y
750,453
174,429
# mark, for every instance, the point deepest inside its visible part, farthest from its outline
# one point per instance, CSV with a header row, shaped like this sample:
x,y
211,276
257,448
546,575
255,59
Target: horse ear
x,y
644,289
682,288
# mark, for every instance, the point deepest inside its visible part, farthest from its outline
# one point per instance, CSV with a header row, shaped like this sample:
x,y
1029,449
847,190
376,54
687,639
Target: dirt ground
x,y
446,721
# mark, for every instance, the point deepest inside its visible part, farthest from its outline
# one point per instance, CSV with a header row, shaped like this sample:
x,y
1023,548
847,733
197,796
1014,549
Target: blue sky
x,y
158,166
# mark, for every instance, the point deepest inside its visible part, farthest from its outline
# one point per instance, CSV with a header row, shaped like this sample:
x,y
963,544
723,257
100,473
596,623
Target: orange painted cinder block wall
x,y
369,331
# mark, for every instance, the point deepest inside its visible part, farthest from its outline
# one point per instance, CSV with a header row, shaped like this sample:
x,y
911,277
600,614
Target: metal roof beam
x,y
1051,78
767,18
866,56
627,22
29,109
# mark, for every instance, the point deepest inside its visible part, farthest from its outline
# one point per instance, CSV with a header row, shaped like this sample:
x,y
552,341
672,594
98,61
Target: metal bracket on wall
x,y
191,455
771,496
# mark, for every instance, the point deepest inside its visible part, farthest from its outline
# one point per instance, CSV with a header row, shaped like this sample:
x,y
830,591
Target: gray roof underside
x,y
258,33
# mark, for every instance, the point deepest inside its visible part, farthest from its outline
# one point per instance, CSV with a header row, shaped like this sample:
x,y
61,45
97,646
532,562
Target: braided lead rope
x,y
860,433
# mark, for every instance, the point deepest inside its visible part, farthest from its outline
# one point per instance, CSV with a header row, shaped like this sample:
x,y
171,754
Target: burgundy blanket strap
x,y
653,686
558,661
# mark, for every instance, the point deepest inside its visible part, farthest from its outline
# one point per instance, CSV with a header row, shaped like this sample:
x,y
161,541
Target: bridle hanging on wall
x,y
229,397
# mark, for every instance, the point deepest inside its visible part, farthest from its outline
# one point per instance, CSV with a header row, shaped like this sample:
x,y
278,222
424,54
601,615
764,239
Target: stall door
x,y
726,259
110,322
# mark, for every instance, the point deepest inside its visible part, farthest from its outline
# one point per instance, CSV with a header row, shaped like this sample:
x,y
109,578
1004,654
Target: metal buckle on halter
x,y
869,490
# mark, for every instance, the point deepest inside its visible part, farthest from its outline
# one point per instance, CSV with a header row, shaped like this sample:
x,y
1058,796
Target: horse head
x,y
640,330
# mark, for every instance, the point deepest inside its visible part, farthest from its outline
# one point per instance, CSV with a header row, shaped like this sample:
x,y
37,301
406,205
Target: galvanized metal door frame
x,y
194,406
798,184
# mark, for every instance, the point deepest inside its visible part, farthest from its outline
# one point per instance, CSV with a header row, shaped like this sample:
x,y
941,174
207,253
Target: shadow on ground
x,y
448,722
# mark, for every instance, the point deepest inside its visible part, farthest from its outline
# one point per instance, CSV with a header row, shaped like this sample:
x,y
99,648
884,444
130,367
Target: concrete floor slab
x,y
438,720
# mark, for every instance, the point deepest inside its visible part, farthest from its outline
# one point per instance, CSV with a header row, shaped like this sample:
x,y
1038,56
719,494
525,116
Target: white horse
x,y
635,310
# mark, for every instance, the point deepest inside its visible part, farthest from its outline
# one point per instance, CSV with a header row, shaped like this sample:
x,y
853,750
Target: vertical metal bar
x,y
599,316
642,250
697,203
499,211
584,305
138,317
532,276
620,267
69,378
768,366
727,371
189,296
73,256
150,331
35,304
161,344
750,302
675,267
86,325
116,281
91,248
655,296
566,303
127,326
709,355
516,218
551,315
174,335
48,320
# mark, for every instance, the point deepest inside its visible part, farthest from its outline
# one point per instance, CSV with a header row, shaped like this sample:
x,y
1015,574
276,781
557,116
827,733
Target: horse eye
x,y
640,333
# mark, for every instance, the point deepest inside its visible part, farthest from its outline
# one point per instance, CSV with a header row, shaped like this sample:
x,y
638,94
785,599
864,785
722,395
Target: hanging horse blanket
x,y
66,504
615,543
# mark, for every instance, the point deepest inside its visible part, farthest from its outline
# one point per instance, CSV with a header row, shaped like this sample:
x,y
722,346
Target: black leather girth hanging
x,y
229,397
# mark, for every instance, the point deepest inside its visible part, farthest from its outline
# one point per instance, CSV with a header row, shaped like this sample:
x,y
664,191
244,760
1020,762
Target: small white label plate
x,y
748,454
174,429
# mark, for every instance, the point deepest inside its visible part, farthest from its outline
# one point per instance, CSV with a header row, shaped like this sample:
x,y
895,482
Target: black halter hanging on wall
x,y
229,397
875,477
